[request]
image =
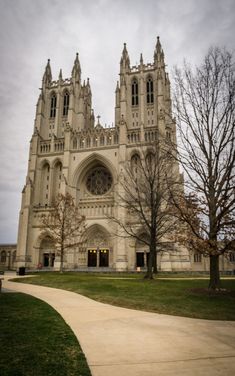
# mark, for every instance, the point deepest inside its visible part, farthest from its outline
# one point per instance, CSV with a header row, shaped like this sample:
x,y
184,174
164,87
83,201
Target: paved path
x,y
124,342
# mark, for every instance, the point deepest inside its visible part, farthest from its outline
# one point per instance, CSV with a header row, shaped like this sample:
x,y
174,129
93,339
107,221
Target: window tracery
x,y
99,181
149,91
134,93
53,106
3,256
66,104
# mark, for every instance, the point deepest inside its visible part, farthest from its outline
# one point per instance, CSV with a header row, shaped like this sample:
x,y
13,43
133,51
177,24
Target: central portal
x,y
99,247
98,257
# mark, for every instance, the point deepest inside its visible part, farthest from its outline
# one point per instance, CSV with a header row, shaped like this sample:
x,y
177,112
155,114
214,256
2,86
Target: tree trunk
x,y
155,263
61,261
149,274
214,283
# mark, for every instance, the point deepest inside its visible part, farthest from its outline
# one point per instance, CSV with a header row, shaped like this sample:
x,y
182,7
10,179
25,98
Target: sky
x,y
31,31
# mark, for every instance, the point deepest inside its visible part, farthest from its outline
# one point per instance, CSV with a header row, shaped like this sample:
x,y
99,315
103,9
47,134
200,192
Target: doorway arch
x,y
99,247
47,253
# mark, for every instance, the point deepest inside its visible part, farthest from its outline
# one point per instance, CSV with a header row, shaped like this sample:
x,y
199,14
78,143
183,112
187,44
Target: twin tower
x,y
70,152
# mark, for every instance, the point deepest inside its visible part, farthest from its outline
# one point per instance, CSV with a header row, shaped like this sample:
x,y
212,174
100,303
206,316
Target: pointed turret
x,y
47,77
125,61
60,78
76,71
60,75
117,92
159,54
92,122
141,61
88,86
117,87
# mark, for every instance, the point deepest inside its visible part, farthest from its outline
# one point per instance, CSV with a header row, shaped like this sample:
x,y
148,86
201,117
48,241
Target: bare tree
x,y
145,199
65,225
204,101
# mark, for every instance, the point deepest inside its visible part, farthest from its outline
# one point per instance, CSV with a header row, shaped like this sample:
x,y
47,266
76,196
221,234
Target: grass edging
x,y
177,297
36,341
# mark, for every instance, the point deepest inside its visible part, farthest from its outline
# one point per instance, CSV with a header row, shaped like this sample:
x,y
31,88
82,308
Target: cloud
x,y
34,30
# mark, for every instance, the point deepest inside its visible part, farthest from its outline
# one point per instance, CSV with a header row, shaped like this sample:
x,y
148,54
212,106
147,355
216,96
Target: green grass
x,y
35,340
168,296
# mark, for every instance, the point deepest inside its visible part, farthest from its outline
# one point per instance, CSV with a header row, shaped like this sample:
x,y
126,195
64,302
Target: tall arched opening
x,y
99,247
46,253
142,252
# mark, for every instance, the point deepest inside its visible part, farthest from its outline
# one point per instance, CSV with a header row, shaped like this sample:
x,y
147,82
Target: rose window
x,y
99,181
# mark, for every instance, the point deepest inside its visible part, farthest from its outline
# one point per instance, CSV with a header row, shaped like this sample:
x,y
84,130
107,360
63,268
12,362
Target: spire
x,y
76,71
47,77
117,87
60,75
117,95
141,62
88,88
159,54
158,47
125,61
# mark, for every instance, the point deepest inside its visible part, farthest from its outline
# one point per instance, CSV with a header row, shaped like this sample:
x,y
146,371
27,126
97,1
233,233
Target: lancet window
x,y
149,91
3,256
57,177
135,163
66,104
53,106
134,93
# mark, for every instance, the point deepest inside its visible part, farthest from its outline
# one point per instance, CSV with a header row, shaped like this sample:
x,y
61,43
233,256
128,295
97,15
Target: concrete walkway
x,y
124,342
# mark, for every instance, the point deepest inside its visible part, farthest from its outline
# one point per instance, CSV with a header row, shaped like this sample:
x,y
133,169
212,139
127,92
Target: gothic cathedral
x,y
70,152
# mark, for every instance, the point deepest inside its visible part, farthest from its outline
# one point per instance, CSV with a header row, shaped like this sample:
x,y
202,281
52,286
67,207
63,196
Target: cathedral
x,y
71,152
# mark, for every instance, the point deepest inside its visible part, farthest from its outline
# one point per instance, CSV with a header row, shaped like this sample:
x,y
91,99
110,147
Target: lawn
x,y
184,297
35,340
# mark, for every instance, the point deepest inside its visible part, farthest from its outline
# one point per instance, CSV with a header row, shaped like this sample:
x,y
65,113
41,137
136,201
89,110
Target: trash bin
x,y
22,270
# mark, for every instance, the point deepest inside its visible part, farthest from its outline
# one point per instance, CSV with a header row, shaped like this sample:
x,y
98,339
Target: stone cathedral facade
x,y
71,152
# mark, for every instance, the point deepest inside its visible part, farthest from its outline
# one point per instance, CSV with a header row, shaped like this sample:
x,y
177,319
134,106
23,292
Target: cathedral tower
x,y
70,153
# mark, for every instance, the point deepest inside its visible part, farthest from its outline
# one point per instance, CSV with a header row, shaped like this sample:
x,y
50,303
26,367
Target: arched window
x,y
150,161
134,93
3,256
45,182
53,106
75,143
57,177
232,256
101,140
197,257
149,90
95,141
82,143
135,163
66,104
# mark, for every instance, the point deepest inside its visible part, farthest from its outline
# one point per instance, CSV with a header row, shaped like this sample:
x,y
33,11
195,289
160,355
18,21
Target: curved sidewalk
x,y
124,342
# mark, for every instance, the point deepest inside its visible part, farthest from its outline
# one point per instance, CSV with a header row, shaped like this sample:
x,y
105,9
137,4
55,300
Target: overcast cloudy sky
x,y
31,31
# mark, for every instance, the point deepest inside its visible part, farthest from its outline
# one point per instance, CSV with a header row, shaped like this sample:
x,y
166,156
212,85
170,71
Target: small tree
x,y
144,196
65,225
205,107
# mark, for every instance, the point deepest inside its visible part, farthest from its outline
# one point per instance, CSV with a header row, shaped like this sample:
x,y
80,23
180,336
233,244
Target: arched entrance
x,y
47,253
142,252
99,247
